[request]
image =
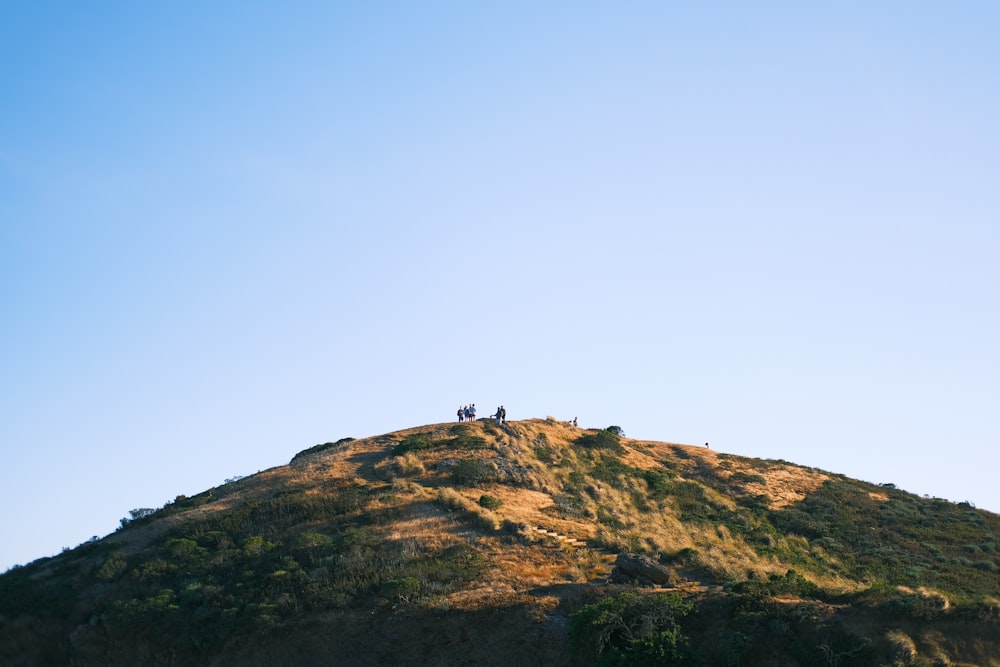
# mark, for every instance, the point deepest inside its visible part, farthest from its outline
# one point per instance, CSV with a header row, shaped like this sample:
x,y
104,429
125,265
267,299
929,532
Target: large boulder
x,y
645,570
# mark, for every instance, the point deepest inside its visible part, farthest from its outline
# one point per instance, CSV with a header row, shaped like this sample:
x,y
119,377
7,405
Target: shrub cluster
x,y
601,440
316,449
462,438
473,472
253,568
633,629
414,442
490,502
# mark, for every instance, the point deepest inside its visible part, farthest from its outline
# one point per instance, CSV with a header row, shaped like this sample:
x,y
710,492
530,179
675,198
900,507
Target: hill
x,y
533,542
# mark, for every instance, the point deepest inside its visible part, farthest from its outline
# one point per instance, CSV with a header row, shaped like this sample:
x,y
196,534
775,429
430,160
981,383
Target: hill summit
x,y
530,542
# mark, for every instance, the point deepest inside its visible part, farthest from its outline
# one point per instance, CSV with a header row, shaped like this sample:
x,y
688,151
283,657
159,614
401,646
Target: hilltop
x,y
533,542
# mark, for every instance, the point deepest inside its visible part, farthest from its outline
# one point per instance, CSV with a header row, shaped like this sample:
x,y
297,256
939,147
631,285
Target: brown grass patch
x,y
786,485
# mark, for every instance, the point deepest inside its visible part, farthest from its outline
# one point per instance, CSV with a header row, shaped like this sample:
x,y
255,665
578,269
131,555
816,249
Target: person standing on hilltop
x,y
461,413
502,412
472,412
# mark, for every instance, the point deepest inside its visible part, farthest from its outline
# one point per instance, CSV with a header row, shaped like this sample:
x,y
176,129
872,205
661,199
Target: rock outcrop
x,y
631,568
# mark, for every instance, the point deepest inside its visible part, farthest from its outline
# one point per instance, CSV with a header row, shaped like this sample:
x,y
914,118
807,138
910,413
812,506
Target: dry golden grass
x,y
521,556
436,515
428,523
786,485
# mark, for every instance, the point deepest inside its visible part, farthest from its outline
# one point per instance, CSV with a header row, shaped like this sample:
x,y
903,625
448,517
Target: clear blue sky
x,y
230,231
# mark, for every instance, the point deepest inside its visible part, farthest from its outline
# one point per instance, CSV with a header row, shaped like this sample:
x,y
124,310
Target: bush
x,y
544,451
403,589
316,449
570,504
489,502
472,472
792,583
464,438
631,629
658,482
113,566
601,440
136,515
414,442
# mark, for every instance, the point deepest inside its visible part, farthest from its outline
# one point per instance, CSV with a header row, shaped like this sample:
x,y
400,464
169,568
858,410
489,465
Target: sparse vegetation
x,y
463,438
609,440
415,442
632,629
137,515
474,472
780,561
490,502
317,449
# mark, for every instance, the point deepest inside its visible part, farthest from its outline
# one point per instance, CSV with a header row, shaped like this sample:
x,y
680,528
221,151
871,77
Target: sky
x,y
230,231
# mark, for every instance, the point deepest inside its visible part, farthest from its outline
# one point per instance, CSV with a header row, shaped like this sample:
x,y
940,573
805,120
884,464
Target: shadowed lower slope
x,y
480,543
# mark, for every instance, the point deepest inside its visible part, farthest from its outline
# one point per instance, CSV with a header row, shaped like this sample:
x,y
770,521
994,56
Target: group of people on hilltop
x,y
467,413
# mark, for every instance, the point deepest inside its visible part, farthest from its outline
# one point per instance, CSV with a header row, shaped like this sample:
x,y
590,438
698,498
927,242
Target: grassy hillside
x,y
484,544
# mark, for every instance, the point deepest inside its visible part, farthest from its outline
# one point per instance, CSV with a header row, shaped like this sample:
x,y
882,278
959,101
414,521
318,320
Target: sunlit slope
x,y
506,536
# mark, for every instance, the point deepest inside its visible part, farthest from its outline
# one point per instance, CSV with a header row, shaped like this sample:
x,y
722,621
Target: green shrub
x,y
734,648
473,472
403,589
137,515
792,583
313,540
257,545
609,518
692,501
468,442
601,440
658,482
112,567
631,629
987,566
611,471
414,442
544,451
463,437
489,502
183,548
569,504
316,449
